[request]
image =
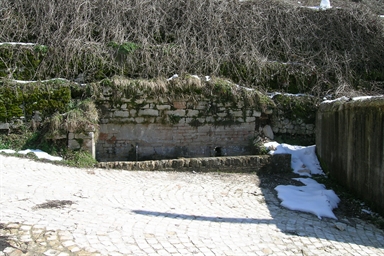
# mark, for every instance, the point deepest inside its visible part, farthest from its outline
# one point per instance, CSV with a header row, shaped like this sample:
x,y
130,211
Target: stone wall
x,y
84,141
350,146
145,129
265,163
294,114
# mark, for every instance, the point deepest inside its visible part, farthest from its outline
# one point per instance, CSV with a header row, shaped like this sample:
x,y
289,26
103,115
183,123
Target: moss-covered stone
x,y
297,107
17,100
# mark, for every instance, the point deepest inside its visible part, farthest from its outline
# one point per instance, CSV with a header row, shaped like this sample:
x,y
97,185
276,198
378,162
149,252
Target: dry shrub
x,y
82,117
92,40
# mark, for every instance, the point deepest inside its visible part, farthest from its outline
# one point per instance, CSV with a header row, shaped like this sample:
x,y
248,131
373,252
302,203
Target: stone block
x,y
275,129
148,112
204,129
179,104
202,105
163,107
179,112
310,127
251,119
192,112
121,113
133,112
236,113
139,101
73,145
71,136
139,120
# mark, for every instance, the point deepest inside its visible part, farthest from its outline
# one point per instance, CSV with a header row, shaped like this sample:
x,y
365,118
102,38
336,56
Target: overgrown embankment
x,y
268,44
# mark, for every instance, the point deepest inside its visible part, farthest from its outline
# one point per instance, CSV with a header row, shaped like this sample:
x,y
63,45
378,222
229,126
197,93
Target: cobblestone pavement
x,y
55,210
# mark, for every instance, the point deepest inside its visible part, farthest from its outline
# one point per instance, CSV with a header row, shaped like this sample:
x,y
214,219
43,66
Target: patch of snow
x,y
313,198
39,153
366,97
316,8
195,76
344,98
173,77
273,94
366,211
18,43
207,78
362,98
303,159
245,88
325,4
42,81
7,151
338,99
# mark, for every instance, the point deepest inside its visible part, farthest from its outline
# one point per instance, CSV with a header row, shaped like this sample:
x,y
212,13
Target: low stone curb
x,y
251,163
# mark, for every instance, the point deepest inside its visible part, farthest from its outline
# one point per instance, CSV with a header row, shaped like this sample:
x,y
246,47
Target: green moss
x,y
174,119
124,48
303,107
17,100
195,123
11,100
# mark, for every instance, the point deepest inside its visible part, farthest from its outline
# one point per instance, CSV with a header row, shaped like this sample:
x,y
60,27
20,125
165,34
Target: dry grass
x,y
82,117
92,40
189,87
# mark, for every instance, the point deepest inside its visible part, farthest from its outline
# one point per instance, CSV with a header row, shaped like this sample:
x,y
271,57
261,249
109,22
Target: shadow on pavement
x,y
200,218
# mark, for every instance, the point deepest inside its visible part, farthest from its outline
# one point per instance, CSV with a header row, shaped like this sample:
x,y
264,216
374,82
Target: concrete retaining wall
x,y
350,146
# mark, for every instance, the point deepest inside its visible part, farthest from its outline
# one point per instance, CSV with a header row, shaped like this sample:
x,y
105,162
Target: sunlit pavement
x,y
55,210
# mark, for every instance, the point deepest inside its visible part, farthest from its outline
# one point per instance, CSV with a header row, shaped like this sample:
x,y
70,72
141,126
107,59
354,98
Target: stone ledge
x,y
251,163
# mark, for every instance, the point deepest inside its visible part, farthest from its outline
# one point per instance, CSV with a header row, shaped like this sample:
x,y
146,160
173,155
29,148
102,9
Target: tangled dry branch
x,y
263,43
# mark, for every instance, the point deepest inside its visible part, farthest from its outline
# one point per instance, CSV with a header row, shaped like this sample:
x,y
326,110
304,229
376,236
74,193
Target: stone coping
x,y
250,163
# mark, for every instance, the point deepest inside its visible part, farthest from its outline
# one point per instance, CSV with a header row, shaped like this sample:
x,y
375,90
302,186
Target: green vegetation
x,y
17,100
297,107
184,87
80,159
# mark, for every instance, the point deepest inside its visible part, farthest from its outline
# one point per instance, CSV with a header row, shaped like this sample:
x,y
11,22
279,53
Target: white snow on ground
x,y
42,81
173,77
273,94
39,153
18,43
338,99
354,98
313,197
304,160
325,4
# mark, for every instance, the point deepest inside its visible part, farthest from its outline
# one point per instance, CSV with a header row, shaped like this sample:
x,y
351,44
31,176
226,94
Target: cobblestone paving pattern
x,y
56,210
